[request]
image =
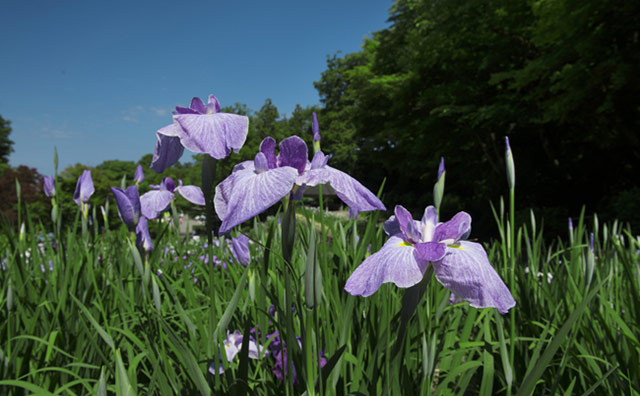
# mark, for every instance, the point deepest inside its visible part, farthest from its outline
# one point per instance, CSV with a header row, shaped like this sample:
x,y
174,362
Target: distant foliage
x,y
6,144
31,194
452,78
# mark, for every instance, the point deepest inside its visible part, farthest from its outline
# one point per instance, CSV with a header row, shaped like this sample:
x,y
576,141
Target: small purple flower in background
x,y
240,249
278,350
315,128
49,186
138,177
254,186
143,239
233,346
128,203
84,189
461,266
156,201
441,168
202,129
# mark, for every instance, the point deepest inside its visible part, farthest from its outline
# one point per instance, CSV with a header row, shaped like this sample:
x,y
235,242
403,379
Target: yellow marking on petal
x,y
455,247
405,243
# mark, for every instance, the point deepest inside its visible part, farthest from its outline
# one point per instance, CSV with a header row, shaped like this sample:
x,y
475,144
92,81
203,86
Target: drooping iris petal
x,y
128,203
394,262
391,226
49,186
84,188
192,194
348,189
155,202
407,225
240,249
143,239
168,151
455,229
213,134
466,271
252,193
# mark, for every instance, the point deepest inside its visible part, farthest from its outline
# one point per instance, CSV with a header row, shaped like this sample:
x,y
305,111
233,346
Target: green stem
x,y
512,278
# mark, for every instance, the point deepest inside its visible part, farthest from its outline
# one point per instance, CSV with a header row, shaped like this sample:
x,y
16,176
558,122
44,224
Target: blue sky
x,y
97,79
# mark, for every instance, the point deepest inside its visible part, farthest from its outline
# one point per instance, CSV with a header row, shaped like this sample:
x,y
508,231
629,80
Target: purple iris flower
x,y
240,249
128,203
156,201
233,346
143,239
84,188
254,186
138,177
461,266
49,186
202,129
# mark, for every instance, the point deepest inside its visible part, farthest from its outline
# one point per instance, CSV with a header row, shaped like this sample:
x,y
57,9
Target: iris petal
x,y
192,194
128,203
457,228
394,262
293,153
252,193
213,134
155,202
466,271
168,151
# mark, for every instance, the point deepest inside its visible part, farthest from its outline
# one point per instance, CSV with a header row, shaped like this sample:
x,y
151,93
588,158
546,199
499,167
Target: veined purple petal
x,y
49,186
213,134
155,202
407,225
168,151
466,271
431,251
222,195
348,189
268,148
84,188
253,193
315,128
138,177
192,194
198,105
394,262
240,249
293,153
128,203
143,239
455,229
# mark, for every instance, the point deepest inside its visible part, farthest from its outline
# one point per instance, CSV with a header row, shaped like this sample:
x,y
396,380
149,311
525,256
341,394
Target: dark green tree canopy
x,y
6,144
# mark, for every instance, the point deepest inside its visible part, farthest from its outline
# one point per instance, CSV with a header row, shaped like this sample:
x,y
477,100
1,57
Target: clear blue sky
x,y
98,78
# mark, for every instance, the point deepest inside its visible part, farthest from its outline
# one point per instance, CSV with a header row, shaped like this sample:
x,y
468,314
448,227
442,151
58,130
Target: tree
x,y
6,145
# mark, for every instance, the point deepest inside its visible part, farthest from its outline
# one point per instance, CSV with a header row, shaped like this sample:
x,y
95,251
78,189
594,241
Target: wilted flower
x,y
156,201
461,266
128,203
138,177
84,189
201,129
50,186
254,186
